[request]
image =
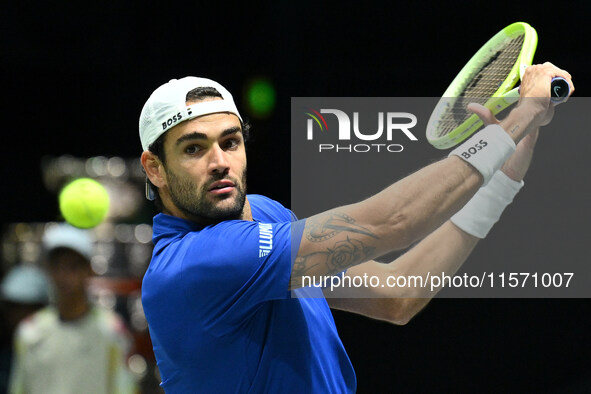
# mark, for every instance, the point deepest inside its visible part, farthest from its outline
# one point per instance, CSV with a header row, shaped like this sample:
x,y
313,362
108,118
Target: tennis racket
x,y
488,79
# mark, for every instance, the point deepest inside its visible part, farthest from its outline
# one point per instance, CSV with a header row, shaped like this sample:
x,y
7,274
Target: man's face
x,y
206,168
69,272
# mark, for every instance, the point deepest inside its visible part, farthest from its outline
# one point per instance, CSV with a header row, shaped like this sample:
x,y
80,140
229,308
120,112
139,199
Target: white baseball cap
x,y
167,107
25,285
66,236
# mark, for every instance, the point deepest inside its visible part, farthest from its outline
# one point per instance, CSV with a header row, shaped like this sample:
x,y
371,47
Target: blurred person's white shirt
x,y
87,355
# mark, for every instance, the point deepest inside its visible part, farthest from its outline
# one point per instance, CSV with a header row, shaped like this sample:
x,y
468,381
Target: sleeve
x,y
16,381
121,379
235,266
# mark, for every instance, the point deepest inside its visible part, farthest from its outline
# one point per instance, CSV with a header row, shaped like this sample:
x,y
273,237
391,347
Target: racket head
x,y
487,79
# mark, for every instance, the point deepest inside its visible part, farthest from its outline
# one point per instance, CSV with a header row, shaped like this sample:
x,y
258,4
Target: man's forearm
x,y
523,119
443,251
416,205
390,220
409,209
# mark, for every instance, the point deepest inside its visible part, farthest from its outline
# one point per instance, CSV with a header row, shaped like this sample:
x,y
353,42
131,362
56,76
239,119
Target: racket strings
x,y
481,84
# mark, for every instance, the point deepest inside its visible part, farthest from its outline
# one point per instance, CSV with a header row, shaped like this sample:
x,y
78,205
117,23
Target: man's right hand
x,y
535,108
536,86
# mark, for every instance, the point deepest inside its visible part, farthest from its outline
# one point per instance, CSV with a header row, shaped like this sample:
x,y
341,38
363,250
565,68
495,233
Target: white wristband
x,y
485,208
487,150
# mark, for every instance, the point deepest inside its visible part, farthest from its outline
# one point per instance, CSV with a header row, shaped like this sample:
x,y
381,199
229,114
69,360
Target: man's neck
x,y
246,211
72,308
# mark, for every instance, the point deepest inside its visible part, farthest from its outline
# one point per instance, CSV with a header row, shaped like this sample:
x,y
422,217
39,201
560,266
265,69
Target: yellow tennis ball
x,y
84,203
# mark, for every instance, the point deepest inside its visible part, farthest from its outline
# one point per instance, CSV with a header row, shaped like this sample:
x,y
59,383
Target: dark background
x,y
76,75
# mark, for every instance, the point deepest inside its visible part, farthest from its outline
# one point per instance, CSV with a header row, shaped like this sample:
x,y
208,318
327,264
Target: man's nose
x,y
218,161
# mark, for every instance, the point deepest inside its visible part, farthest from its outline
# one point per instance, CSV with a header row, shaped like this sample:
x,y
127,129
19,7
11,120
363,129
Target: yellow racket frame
x,y
502,97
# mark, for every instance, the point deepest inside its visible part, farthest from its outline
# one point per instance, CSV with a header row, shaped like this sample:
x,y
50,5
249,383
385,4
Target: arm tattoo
x,y
327,226
337,257
514,129
342,255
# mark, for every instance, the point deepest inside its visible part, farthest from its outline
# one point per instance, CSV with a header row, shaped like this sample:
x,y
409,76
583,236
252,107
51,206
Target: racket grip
x,y
559,90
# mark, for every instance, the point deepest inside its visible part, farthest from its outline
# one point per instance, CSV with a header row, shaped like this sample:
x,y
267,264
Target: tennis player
x,y
223,293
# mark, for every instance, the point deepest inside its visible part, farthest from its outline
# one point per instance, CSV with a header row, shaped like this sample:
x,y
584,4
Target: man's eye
x,y
232,143
192,149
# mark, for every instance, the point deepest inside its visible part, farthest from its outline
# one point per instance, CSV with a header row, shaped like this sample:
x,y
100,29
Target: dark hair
x,y
157,147
55,255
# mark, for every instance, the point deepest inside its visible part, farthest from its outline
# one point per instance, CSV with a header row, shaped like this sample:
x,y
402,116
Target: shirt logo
x,y
265,239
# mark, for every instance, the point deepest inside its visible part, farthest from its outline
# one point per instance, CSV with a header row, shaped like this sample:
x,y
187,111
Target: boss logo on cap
x,y
171,121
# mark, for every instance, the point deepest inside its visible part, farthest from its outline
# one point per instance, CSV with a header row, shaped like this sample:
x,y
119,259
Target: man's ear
x,y
154,169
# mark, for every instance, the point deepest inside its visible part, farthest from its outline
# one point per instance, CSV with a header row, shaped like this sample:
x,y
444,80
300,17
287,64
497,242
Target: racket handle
x,y
559,90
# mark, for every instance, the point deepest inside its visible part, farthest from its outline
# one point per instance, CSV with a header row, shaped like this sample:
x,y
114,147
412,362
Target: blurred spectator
x,y
23,291
71,346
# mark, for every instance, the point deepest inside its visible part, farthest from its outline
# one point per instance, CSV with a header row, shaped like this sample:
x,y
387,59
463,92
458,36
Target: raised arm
x,y
415,206
390,220
442,252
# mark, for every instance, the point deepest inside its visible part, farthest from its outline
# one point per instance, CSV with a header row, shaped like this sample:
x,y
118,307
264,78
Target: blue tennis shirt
x,y
220,314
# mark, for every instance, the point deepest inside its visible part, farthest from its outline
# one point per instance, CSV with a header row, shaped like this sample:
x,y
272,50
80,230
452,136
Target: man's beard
x,y
194,204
